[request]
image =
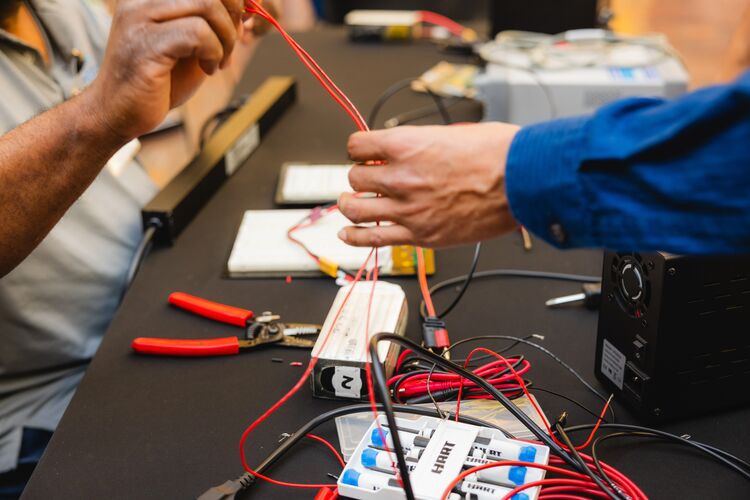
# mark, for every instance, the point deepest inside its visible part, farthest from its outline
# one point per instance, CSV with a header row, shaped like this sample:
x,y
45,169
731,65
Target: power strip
x,y
437,451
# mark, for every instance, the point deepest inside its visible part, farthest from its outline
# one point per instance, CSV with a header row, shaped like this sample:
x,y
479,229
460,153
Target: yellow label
x,y
328,267
397,33
404,260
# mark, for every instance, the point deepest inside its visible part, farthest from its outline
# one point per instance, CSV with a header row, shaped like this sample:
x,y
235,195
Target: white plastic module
x,y
437,451
340,370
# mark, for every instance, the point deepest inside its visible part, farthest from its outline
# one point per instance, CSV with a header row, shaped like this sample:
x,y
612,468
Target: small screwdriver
x,y
590,297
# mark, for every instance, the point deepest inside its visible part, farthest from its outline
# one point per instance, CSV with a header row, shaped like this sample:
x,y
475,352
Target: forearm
x,y
640,175
45,165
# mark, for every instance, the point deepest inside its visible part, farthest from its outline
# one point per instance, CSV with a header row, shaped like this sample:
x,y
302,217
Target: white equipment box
x,y
531,78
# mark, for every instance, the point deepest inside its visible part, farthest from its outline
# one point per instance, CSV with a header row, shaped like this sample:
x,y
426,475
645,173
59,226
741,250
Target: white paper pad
x,y
314,183
262,245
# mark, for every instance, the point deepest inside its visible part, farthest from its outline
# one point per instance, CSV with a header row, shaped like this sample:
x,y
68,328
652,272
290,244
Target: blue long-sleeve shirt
x,y
640,174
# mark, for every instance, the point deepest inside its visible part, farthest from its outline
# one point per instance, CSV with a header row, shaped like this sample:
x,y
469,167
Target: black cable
x,y
508,273
230,488
569,399
219,116
616,495
398,87
467,281
548,353
140,252
487,356
419,113
447,120
379,377
595,458
381,387
733,462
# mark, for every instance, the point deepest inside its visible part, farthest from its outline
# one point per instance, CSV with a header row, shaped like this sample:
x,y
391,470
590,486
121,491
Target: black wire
x,y
247,479
467,281
140,253
379,377
595,458
616,495
381,387
653,435
447,120
398,87
548,353
727,459
501,351
569,399
419,113
508,273
219,116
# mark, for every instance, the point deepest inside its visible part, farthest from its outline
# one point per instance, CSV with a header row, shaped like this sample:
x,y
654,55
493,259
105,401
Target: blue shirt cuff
x,y
542,184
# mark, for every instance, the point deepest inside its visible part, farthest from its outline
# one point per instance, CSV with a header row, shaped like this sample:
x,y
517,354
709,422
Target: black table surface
x,y
149,427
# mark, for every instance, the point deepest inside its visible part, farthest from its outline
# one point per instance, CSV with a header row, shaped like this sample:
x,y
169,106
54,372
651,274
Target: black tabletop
x,y
148,427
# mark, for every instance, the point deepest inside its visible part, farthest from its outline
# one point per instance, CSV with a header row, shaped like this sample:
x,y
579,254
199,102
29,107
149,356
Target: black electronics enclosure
x,y
673,336
542,16
174,207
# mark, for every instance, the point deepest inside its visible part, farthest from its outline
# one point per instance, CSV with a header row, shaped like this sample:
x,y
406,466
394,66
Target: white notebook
x,y
263,249
301,183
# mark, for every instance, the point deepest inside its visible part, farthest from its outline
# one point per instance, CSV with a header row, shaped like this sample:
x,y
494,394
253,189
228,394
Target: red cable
x,y
533,402
352,111
416,385
253,7
547,482
401,359
550,491
329,446
327,494
430,17
508,463
422,276
302,380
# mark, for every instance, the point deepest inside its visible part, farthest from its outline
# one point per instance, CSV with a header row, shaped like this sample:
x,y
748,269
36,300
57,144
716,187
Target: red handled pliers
x,y
266,329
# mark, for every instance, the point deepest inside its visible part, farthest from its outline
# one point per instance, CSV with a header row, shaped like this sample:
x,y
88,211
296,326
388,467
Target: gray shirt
x,y
56,305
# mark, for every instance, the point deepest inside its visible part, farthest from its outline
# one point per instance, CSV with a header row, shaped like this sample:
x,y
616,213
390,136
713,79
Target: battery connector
x,y
435,334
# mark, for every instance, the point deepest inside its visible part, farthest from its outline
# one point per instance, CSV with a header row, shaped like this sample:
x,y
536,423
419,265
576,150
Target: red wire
x,y
422,276
329,446
508,463
548,482
302,380
253,7
312,65
416,385
550,491
533,402
430,17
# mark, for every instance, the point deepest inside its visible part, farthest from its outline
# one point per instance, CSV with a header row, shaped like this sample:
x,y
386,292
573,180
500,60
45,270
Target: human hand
x,y
440,186
159,52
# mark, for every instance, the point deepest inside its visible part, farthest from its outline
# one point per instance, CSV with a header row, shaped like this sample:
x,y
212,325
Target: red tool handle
x,y
209,309
177,347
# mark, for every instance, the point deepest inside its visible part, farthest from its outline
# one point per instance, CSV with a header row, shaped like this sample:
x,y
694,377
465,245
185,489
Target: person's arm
x,y
158,53
640,174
